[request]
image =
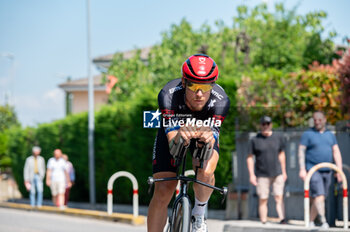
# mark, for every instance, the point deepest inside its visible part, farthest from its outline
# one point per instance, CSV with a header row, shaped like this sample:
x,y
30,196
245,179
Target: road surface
x,y
14,220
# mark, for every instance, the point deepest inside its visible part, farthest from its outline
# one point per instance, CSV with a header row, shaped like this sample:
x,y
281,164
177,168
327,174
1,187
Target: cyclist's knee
x,y
164,191
205,175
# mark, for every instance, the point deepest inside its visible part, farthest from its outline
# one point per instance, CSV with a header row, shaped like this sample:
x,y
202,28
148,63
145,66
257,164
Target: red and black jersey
x,y
171,101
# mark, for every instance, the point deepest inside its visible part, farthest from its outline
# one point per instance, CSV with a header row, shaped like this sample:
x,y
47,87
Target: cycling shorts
x,y
163,161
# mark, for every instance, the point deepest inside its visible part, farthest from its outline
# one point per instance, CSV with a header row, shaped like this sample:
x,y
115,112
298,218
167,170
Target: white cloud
x,y
55,95
40,108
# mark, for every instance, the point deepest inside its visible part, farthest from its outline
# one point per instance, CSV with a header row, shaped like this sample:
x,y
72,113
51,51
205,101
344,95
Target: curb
x,y
119,217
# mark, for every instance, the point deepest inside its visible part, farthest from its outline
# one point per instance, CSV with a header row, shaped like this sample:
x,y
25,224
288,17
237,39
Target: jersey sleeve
x,y
220,112
161,100
164,104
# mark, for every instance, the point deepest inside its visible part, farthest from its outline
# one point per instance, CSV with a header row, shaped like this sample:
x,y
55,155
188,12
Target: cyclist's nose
x,y
199,93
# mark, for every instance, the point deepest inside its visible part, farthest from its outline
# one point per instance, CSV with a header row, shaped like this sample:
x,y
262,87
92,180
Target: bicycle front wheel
x,y
181,218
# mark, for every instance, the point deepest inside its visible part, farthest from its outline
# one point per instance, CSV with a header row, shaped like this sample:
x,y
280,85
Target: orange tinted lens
x,y
195,87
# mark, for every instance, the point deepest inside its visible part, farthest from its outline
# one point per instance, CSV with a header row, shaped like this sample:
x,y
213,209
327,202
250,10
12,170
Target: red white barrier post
x,y
307,196
135,186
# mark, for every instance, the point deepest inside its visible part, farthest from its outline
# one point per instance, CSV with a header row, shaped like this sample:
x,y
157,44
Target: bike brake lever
x,y
224,193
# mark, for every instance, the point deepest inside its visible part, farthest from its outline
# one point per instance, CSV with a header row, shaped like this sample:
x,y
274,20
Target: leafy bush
x,y
290,98
343,68
8,120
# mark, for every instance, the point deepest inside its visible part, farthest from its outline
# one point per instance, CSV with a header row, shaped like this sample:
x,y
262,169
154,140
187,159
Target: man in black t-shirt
x,y
270,167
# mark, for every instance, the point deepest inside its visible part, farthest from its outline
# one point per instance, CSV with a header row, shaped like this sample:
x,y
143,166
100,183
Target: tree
x,y
284,40
8,119
343,67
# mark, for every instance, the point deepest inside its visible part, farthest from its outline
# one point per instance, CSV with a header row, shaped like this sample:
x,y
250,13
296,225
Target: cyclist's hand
x,y
205,135
187,133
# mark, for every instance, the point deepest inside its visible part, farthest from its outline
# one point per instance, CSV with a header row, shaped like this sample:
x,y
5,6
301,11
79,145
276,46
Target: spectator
x,y
270,168
318,145
57,178
34,173
71,174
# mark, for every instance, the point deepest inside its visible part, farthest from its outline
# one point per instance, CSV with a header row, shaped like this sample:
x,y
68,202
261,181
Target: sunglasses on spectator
x,y
196,86
266,123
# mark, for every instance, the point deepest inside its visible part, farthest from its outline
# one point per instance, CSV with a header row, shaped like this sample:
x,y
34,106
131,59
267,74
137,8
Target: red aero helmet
x,y
200,68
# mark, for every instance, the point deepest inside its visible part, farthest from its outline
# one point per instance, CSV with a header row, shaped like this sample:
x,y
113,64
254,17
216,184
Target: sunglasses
x,y
196,86
266,123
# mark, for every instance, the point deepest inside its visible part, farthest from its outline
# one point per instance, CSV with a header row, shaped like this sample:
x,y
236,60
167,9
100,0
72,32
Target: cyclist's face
x,y
196,100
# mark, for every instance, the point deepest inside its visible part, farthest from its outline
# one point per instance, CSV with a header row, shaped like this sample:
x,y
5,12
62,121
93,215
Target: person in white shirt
x,y
57,178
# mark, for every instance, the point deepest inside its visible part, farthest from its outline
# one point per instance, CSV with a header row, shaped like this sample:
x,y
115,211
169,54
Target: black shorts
x,y
163,161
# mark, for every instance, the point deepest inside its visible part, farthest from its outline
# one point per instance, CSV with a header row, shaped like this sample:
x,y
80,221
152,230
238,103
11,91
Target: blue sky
x,y
48,39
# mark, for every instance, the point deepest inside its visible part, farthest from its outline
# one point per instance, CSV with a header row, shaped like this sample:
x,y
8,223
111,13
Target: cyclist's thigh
x,y
164,188
162,159
209,165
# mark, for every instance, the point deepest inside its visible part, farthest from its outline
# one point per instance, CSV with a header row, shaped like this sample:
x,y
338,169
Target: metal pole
x,y
91,115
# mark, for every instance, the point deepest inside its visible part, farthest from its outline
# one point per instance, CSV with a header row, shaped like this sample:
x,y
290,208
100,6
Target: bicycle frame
x,y
184,180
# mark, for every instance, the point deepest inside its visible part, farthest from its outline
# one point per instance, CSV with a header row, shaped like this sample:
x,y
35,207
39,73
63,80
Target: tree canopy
x,y
8,119
263,49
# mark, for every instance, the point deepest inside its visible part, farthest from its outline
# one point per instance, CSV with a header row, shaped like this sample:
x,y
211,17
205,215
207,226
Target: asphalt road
x,y
13,220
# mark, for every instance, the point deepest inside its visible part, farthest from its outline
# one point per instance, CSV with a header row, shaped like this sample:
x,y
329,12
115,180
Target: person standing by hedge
x,y
71,173
34,173
57,178
318,145
270,168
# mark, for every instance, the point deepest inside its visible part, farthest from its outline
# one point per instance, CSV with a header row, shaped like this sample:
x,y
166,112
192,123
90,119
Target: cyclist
x,y
194,96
